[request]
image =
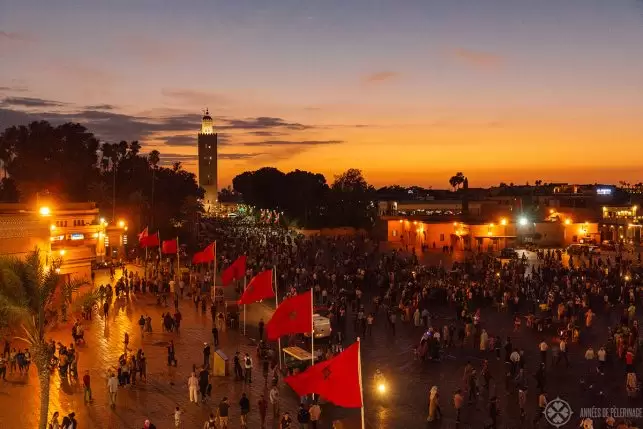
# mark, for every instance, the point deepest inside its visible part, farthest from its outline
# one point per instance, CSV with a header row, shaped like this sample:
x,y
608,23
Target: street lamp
x,y
121,223
503,222
45,211
62,252
522,221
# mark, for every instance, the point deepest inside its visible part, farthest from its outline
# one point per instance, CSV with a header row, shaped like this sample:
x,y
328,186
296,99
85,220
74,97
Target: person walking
x,y
303,416
247,363
262,406
193,388
274,401
87,387
224,409
215,337
261,326
112,387
315,415
458,402
562,347
244,405
210,423
206,355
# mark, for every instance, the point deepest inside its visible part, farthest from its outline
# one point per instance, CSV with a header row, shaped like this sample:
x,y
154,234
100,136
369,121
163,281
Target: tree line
x,y
306,199
71,164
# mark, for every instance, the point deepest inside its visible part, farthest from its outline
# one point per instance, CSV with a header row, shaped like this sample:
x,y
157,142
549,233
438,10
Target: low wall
x,y
332,232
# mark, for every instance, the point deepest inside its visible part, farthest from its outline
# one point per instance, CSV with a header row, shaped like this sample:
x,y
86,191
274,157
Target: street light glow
x,y
45,211
523,221
503,221
568,221
62,252
121,223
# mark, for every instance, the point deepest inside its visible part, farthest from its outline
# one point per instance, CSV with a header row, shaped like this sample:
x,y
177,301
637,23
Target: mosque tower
x,y
208,161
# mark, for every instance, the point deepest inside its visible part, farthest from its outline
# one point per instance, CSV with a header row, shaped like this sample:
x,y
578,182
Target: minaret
x,y
208,161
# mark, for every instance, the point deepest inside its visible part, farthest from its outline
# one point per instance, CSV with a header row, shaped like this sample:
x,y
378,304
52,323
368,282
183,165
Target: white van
x,y
321,326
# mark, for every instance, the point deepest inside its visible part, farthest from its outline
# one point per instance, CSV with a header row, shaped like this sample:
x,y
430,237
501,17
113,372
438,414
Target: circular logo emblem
x,y
558,412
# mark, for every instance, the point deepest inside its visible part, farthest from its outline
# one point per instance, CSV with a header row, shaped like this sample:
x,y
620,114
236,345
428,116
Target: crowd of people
x,y
362,286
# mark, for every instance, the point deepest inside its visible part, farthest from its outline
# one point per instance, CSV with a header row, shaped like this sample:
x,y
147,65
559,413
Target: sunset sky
x,y
409,91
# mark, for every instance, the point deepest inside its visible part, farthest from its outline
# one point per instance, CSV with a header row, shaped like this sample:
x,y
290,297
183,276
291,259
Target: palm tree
x,y
457,180
67,289
27,289
154,157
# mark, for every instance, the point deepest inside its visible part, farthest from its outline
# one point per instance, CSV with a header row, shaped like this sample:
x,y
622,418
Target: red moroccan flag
x,y
209,253
336,380
197,258
235,271
150,240
293,316
170,246
260,287
143,234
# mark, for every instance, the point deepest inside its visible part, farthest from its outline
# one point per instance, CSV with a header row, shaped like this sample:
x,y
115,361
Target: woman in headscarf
x,y
434,405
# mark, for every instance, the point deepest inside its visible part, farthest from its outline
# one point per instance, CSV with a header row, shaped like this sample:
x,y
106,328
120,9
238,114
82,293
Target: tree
x,y
8,191
352,200
457,180
26,294
154,158
61,159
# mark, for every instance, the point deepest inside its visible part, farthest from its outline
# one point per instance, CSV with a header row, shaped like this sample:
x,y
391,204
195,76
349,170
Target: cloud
x,y
195,98
265,133
167,159
12,36
380,77
238,156
30,102
476,59
191,139
13,89
261,123
101,107
293,143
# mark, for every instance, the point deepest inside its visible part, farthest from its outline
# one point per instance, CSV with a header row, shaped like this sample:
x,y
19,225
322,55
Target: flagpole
x,y
158,267
274,272
244,306
359,371
178,261
312,333
214,273
145,269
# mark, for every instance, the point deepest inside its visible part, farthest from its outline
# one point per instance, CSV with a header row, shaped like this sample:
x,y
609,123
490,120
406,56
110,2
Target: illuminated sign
x,y
603,191
77,236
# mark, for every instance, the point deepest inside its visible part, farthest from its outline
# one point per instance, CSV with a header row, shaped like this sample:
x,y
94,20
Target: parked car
x,y
608,245
100,265
508,253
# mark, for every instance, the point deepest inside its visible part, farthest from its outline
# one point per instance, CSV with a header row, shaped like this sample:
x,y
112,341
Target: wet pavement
x,y
405,404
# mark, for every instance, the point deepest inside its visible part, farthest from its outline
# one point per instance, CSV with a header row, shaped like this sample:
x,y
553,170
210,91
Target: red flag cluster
x,y
292,316
260,287
207,255
235,271
146,240
337,379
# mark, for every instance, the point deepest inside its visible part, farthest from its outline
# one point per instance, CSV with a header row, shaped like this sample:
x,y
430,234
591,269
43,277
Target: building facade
x,y
70,235
208,161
